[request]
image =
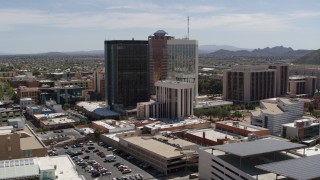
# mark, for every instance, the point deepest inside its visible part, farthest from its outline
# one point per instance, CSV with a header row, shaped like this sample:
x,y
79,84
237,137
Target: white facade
x,y
53,105
17,123
183,61
174,101
24,102
58,167
275,112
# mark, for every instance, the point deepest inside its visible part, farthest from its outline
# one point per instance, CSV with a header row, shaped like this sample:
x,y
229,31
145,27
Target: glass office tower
x,y
183,61
126,72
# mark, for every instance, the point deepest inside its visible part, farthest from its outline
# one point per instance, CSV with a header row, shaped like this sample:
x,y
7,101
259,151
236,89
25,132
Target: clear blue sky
x,y
32,26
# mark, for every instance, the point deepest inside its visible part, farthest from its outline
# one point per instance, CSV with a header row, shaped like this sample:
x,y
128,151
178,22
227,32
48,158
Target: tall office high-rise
x,y
183,61
158,57
249,84
282,77
126,72
172,59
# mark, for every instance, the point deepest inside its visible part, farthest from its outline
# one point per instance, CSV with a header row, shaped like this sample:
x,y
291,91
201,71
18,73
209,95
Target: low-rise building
x,y
20,144
159,153
208,137
241,128
158,126
112,126
18,123
303,129
302,86
7,74
7,113
54,120
83,83
52,104
57,167
275,112
24,102
28,92
96,110
244,160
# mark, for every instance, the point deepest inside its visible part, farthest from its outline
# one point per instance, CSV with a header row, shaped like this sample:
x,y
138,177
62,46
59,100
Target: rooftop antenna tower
x,y
188,28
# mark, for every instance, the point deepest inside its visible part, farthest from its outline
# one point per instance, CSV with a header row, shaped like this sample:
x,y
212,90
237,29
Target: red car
x,y
86,157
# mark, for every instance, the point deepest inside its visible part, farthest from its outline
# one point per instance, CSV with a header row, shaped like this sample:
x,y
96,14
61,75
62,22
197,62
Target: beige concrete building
x,y
7,74
99,81
20,144
174,101
249,84
302,86
282,76
83,83
28,92
162,156
112,126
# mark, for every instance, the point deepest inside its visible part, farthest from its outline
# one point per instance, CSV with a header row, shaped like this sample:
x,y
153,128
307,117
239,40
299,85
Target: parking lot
x,y
134,165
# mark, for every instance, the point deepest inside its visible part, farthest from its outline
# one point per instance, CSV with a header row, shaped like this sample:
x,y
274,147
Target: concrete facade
x,y
302,86
20,144
249,84
242,129
174,101
275,112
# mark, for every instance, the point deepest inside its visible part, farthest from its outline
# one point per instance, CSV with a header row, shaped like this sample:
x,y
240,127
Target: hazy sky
x,y
32,26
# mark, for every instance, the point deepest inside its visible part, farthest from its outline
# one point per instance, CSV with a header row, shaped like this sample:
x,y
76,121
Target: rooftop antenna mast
x,y
188,28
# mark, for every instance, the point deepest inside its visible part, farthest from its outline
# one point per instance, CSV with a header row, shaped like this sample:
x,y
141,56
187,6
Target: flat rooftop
x,y
181,142
261,146
19,168
154,146
241,125
59,120
212,103
211,134
171,123
30,141
65,167
99,108
301,168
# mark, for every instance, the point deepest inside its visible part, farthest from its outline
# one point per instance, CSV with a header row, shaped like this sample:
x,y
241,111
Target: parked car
x,y
91,147
125,171
86,157
96,150
192,176
65,147
95,174
87,151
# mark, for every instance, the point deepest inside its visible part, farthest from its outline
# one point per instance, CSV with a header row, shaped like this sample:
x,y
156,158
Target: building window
x,y
9,148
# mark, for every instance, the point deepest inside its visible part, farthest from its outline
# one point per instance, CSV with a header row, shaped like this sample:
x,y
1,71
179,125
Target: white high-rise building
x,y
174,101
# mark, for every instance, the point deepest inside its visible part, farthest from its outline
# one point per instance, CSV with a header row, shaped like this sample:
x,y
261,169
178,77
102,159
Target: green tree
x,y
66,106
310,108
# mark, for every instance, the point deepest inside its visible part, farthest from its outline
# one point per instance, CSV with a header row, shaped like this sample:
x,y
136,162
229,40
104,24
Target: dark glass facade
x,y
126,63
158,59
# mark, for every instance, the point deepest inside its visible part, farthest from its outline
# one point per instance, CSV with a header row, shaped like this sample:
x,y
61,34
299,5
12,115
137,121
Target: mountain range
x,y
311,58
277,51
218,51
